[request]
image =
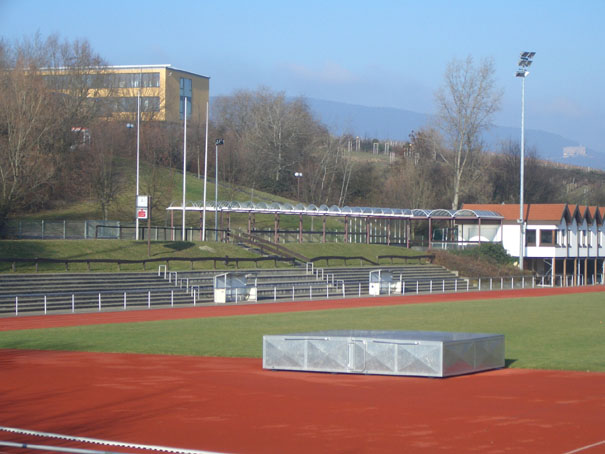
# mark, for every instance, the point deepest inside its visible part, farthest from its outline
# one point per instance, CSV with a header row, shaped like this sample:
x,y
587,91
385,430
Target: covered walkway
x,y
361,224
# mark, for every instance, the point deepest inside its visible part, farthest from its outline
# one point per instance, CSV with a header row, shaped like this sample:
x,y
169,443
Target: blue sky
x,y
379,53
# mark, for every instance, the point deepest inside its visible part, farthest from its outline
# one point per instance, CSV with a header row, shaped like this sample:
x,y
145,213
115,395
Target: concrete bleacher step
x,y
27,291
58,282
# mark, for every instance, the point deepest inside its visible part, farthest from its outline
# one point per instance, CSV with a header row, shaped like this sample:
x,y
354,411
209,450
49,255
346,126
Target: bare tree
x,y
27,120
108,139
36,118
466,104
327,172
275,135
420,178
160,146
542,182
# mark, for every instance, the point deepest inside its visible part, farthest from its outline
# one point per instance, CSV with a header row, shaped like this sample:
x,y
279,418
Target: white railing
x,y
85,301
109,300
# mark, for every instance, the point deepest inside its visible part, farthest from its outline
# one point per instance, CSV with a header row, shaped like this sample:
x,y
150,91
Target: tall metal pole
x,y
205,178
298,176
184,163
524,62
136,236
217,142
522,177
216,192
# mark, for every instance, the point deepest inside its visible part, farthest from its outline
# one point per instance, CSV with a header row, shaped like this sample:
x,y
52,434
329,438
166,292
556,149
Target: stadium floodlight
x,y
298,176
522,72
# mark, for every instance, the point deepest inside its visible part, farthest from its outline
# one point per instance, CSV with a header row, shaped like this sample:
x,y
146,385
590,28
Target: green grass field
x,y
137,250
114,250
556,332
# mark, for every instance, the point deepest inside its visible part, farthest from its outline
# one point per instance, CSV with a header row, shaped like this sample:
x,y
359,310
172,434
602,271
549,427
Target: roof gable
x,y
599,215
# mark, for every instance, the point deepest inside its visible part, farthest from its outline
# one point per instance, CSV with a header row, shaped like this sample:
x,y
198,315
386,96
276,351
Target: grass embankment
x,y
166,186
133,250
113,250
369,251
556,332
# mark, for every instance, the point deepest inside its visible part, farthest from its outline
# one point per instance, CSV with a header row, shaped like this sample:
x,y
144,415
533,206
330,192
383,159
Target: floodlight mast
x,y
525,62
184,233
298,176
136,218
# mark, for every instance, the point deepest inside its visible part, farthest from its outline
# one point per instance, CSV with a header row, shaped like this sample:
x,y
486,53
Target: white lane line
x,y
584,448
105,442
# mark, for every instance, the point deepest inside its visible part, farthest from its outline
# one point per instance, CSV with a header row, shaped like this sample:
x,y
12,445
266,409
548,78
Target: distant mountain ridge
x,y
387,123
396,124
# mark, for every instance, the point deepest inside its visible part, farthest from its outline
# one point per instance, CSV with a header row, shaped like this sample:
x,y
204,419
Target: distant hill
x,y
367,122
384,123
396,124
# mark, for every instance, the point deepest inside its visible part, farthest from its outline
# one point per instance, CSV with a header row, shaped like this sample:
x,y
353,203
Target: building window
x,y
128,104
186,94
563,238
530,238
150,103
547,237
103,80
150,80
128,80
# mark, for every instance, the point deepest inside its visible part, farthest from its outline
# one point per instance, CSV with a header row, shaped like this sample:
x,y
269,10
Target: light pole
x,y
205,178
138,151
525,62
217,142
184,234
131,126
298,176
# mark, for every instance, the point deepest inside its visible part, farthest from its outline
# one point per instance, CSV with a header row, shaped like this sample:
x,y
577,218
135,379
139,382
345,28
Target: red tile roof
x,y
532,212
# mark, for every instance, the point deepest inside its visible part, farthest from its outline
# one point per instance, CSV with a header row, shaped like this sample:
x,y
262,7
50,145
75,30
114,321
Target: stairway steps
x,y
29,289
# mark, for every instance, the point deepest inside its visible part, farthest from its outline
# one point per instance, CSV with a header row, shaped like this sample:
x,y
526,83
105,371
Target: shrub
x,y
485,260
492,252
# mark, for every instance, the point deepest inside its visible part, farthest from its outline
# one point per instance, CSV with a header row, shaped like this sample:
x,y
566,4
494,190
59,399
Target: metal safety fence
x,y
183,291
109,230
65,302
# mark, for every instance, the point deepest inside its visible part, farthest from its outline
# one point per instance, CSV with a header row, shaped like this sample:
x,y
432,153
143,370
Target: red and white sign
x,y
142,213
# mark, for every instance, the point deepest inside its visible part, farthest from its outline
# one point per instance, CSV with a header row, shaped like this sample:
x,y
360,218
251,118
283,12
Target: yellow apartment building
x,y
163,90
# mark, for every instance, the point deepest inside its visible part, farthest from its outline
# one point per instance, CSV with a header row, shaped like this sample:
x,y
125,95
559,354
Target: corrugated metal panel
x,y
417,353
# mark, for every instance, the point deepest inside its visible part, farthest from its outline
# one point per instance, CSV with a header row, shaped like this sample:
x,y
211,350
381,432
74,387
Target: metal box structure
x,y
234,287
417,353
381,283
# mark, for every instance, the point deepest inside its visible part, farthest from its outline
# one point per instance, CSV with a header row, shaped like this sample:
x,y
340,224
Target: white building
x,y
560,239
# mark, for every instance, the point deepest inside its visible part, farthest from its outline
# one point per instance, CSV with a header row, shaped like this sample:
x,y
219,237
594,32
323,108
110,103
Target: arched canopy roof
x,y
334,210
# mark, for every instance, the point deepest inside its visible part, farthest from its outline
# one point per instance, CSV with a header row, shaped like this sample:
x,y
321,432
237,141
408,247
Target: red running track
x,y
146,315
234,406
